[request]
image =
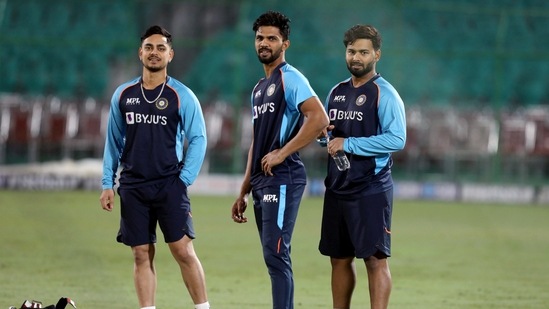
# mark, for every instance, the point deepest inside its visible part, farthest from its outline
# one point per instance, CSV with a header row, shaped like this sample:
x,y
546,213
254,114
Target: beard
x,y
154,69
360,71
156,66
269,59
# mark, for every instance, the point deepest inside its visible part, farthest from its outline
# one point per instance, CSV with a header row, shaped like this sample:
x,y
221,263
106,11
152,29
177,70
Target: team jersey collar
x,y
283,63
167,79
376,76
279,66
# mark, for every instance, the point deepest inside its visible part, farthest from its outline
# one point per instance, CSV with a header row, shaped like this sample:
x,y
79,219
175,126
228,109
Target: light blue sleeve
x,y
194,130
296,87
392,132
114,141
296,90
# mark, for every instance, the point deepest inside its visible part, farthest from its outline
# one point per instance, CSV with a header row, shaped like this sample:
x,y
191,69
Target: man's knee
x,y
183,249
376,261
143,253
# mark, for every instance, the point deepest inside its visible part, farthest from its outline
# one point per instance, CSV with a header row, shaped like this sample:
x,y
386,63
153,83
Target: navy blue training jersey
x,y
147,139
277,118
372,120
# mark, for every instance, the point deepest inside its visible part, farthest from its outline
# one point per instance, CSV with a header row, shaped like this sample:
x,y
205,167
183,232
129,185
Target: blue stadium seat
x,y
35,79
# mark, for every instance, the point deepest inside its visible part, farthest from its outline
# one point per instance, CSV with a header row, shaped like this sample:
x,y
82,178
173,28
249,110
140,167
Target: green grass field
x,y
445,255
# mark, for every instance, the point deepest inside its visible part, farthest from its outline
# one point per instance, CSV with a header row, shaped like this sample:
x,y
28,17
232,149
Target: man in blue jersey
x,y
367,122
287,115
150,119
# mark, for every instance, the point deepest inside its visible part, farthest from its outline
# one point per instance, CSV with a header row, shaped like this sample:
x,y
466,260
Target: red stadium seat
x,y
86,130
53,130
24,128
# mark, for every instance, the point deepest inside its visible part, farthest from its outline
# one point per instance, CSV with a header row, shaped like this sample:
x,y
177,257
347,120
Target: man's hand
x,y
107,199
239,207
324,132
335,145
271,160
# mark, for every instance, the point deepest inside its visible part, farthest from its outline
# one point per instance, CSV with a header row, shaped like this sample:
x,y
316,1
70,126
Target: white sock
x,y
149,307
205,305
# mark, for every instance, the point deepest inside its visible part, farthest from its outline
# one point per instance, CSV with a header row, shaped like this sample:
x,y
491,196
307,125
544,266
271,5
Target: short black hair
x,y
362,32
274,19
157,30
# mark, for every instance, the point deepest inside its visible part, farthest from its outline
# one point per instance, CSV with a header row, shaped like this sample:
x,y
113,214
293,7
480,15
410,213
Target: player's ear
x,y
285,44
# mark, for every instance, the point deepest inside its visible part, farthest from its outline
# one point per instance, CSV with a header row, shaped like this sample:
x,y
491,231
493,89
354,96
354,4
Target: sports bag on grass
x,y
61,304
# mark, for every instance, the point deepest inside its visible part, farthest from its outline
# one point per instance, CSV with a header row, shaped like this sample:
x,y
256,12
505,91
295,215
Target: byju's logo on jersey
x,y
132,101
336,114
263,108
133,118
270,198
130,118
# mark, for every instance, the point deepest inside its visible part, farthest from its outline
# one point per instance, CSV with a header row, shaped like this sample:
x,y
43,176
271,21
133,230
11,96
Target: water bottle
x,y
340,159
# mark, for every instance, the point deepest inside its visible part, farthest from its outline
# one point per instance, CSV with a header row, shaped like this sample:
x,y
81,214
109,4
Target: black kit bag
x,y
61,304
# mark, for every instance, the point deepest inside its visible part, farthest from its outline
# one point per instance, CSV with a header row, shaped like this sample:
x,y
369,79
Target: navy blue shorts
x,y
356,227
141,208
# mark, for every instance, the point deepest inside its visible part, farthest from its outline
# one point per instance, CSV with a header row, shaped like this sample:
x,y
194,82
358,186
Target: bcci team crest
x,y
161,103
360,100
271,90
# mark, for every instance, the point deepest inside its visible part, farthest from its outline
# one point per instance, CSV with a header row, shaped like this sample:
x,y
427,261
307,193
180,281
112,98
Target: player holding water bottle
x,y
367,123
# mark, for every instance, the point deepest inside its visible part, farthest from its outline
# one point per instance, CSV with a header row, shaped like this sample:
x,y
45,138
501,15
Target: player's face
x,y
269,44
155,53
361,57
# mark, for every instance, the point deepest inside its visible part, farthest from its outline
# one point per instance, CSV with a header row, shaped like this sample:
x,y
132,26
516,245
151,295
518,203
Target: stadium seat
x,y
24,129
444,130
57,19
94,74
410,160
482,133
87,123
220,123
10,69
64,79
540,116
53,130
517,135
479,145
5,119
517,141
34,79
